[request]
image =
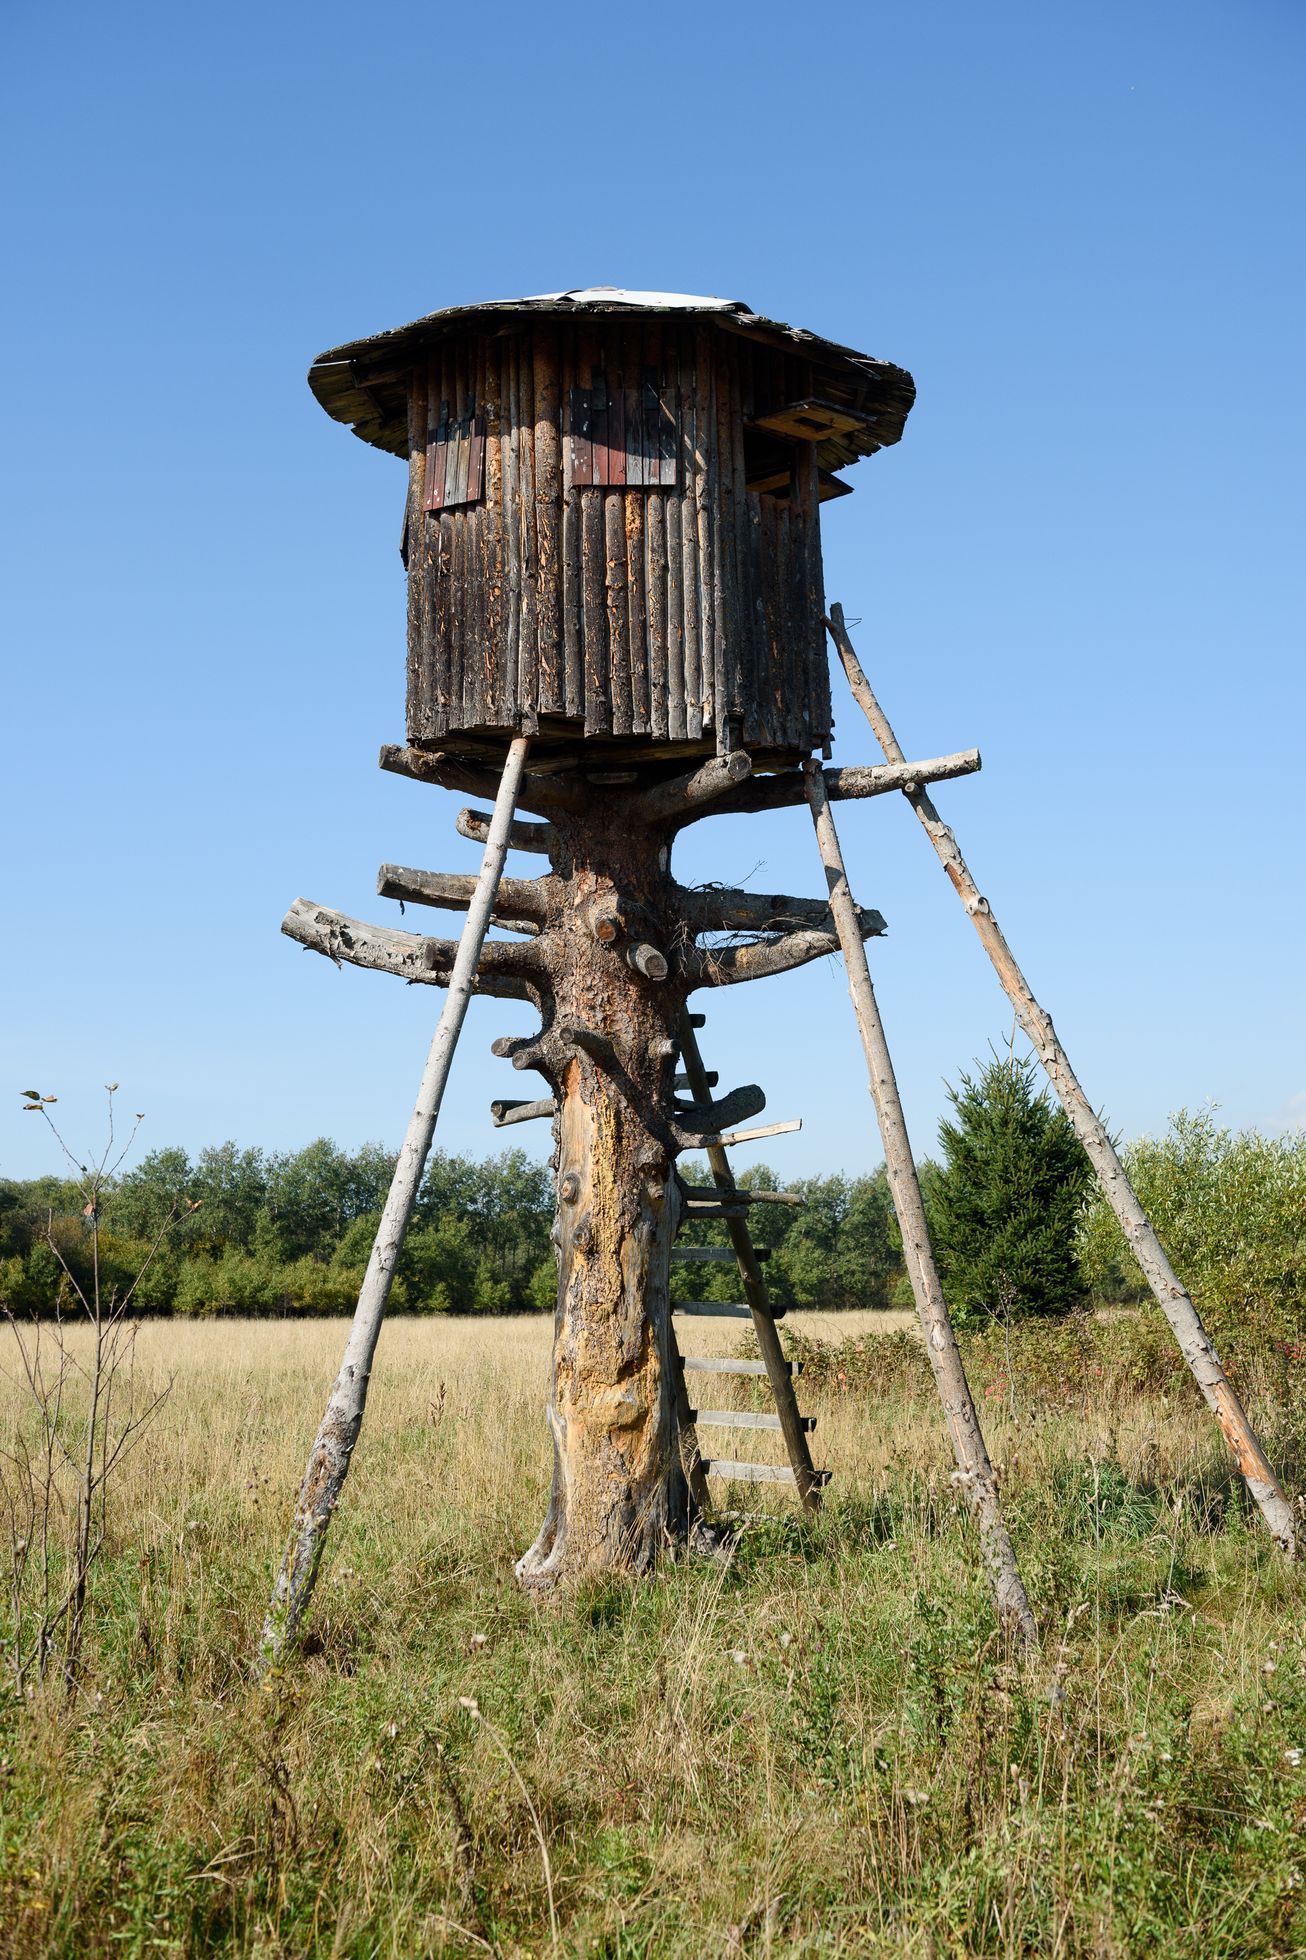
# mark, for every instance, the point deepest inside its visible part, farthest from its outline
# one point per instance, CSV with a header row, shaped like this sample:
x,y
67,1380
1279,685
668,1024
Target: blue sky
x,y
1079,228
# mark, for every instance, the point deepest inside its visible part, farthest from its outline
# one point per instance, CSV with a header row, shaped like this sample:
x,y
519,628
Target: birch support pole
x,y
974,1470
328,1463
1172,1298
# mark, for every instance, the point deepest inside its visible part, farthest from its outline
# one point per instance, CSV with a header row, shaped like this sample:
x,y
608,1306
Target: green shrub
x,y
235,1283
1230,1210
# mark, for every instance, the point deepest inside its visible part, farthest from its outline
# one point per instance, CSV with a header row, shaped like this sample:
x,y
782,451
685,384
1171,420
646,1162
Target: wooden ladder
x,y
793,1426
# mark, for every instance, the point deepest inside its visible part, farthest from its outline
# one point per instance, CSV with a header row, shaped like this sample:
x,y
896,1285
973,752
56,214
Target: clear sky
x,y
1080,228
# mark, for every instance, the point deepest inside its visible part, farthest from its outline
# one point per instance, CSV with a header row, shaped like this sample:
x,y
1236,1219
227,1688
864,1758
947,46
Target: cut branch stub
x,y
714,908
693,1123
475,825
700,790
507,1047
521,904
648,962
597,1046
502,1113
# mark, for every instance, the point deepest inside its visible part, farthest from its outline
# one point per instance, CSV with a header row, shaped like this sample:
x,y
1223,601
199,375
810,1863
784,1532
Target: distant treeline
x,y
290,1234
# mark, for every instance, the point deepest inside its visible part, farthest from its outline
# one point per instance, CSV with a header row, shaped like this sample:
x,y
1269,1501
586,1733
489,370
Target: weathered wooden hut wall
x,y
668,611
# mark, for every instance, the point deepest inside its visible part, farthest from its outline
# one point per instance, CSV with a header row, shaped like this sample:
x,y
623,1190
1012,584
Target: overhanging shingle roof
x,y
364,382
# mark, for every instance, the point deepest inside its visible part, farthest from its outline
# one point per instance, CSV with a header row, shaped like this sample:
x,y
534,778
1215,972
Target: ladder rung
x,y
753,1135
746,1419
710,1076
713,1194
734,1419
713,1364
751,1473
714,1255
721,1310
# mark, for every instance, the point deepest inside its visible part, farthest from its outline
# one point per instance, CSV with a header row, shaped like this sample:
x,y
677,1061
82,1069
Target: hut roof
x,y
364,382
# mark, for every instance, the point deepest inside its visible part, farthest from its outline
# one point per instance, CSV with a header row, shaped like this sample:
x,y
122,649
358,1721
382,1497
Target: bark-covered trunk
x,y
606,951
618,1491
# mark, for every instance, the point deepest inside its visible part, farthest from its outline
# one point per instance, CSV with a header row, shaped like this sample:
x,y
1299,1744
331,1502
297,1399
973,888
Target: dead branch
x,y
543,793
697,793
506,968
520,904
725,966
781,792
475,825
715,909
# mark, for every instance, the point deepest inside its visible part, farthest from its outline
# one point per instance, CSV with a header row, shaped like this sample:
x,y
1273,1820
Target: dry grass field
x,y
817,1747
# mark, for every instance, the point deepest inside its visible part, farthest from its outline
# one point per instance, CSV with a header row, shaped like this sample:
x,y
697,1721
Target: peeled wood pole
x,y
328,1463
1172,1298
975,1470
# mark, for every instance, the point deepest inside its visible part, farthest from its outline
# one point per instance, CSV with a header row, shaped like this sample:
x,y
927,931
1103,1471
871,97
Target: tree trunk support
x,y
1172,1298
328,1463
974,1470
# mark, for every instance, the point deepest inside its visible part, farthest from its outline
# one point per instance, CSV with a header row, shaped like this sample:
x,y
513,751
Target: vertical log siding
x,y
682,609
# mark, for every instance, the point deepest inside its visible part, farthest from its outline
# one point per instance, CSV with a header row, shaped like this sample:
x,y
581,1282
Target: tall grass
x,y
817,1747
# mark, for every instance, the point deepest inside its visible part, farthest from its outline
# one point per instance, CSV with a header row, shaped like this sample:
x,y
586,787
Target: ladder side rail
x,y
691,1455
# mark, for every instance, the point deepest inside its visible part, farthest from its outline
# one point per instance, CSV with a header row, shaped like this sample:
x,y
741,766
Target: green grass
x,y
817,1748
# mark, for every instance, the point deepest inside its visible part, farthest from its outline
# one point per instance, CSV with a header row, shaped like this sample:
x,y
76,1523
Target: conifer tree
x,y
1007,1196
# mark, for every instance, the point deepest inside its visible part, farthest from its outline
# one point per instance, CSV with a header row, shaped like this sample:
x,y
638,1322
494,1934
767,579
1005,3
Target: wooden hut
x,y
612,526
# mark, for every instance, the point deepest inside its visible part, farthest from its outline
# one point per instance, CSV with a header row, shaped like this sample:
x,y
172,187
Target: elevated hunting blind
x,y
612,529
616,620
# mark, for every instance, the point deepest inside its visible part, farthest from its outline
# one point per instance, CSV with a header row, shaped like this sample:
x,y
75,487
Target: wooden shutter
x,y
619,436
455,460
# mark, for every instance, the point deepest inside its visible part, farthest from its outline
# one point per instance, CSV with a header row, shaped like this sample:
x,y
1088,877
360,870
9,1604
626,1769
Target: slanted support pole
x,y
328,1463
1172,1298
975,1472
